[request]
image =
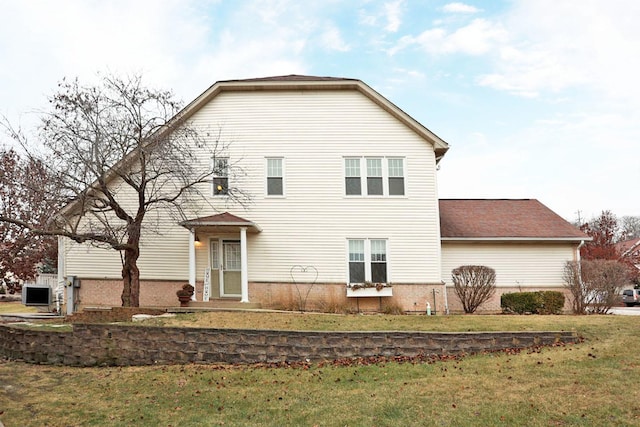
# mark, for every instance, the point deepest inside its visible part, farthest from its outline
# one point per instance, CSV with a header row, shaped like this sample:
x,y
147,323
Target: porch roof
x,y
223,222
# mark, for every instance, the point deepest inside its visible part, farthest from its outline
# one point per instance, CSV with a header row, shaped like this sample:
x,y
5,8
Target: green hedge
x,y
541,302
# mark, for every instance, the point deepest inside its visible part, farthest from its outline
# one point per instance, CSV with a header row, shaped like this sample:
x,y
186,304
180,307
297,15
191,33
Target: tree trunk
x,y
130,271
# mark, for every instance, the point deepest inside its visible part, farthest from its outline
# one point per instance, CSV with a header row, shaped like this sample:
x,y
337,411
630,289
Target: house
x,y
629,252
525,242
344,211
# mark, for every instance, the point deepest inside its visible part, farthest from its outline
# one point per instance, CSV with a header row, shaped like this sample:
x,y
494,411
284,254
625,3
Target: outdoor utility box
x,y
36,295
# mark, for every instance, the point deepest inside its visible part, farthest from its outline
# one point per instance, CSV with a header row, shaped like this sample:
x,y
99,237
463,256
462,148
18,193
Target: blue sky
x,y
538,99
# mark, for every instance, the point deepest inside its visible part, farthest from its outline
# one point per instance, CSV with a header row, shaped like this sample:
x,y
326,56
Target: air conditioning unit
x,y
36,295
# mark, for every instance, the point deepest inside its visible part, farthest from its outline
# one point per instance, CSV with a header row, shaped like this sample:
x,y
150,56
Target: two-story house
x,y
343,196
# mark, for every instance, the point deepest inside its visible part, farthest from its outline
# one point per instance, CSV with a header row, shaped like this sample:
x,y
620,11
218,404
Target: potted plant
x,y
185,294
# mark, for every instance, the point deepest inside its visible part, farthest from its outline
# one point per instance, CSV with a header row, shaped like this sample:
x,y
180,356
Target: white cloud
x,y
594,45
393,13
460,8
390,13
331,39
478,37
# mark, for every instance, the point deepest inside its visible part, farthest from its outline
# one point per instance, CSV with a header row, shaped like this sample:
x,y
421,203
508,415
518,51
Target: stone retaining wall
x,y
124,345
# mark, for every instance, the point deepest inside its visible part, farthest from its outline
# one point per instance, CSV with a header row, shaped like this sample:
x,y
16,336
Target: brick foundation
x,y
328,297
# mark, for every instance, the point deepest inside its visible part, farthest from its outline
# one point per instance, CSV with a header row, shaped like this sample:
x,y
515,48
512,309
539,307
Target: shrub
x,y
595,285
542,302
474,285
392,308
520,302
552,302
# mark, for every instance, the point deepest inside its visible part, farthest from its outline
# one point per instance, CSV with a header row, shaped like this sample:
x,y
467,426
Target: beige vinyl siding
x,y
516,264
312,131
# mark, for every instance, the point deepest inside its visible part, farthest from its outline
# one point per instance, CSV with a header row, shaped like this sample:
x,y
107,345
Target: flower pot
x,y
184,300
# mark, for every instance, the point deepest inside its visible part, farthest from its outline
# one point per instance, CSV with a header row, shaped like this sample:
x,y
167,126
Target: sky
x,y
537,99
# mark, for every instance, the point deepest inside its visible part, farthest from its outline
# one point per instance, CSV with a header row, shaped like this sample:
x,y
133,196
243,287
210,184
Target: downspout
x,y
446,299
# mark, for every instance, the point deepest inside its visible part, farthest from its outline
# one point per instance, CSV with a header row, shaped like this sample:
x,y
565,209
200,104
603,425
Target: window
x,y
356,261
352,177
275,181
220,176
378,261
384,176
396,177
367,260
374,177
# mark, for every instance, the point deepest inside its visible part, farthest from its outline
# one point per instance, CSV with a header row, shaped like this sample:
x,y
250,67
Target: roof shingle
x,y
503,218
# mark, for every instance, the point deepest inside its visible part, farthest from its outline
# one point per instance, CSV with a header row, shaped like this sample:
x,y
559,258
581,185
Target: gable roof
x,y
628,247
503,219
303,82
220,221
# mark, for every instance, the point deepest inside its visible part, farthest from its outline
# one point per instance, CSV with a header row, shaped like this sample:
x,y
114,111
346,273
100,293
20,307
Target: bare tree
x,y
595,285
630,227
474,285
119,150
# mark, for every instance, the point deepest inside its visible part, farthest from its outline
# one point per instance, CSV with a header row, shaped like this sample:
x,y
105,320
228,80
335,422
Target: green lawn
x,y
593,383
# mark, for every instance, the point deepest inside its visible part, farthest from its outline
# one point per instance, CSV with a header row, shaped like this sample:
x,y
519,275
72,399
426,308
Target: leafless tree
x,y
630,227
474,285
118,151
595,285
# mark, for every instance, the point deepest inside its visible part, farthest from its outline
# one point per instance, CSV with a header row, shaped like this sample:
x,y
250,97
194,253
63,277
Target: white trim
x,y
367,257
513,239
364,175
282,176
244,281
192,261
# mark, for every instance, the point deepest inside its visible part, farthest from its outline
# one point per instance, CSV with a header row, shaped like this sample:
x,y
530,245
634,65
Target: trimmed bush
x,y
552,302
541,302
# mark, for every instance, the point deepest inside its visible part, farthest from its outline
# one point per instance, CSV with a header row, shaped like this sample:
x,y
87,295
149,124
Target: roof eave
x,y
515,239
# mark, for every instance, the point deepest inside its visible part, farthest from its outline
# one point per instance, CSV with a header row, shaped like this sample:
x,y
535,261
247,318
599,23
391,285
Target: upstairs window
x,y
275,177
383,176
220,176
374,177
396,177
352,178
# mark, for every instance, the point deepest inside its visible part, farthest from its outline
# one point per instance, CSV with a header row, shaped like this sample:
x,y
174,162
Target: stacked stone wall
x,y
125,345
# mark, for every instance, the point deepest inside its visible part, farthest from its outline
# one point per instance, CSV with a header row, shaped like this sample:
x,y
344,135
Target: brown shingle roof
x,y
500,218
627,247
291,78
224,219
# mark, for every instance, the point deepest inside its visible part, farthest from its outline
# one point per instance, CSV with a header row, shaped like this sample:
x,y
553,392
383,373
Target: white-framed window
x,y
367,260
352,177
396,176
383,176
275,176
220,167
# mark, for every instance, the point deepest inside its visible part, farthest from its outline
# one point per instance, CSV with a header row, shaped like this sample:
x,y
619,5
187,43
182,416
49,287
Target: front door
x,y
231,265
225,268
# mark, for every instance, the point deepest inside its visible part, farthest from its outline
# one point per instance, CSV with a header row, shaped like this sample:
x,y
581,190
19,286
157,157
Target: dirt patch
x,y
110,314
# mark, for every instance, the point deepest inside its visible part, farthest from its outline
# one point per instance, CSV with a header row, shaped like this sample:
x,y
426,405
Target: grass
x,y
592,383
15,307
368,322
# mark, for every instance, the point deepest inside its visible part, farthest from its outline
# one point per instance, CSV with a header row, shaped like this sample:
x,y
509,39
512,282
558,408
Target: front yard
x,y
592,383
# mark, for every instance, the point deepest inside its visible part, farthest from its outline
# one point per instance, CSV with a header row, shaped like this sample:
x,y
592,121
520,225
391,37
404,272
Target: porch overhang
x,y
221,223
